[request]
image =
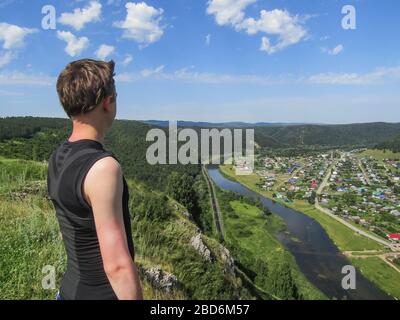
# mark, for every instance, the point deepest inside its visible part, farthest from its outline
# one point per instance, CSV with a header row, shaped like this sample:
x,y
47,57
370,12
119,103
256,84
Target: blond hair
x,y
83,84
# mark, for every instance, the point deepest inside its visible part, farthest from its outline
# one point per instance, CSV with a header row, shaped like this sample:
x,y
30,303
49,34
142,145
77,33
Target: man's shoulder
x,y
107,165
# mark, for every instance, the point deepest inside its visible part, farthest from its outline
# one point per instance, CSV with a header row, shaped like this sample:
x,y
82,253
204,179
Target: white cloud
x,y
5,58
228,12
6,93
104,51
288,28
188,75
19,78
128,59
80,17
142,23
13,36
152,72
75,45
335,51
125,77
379,76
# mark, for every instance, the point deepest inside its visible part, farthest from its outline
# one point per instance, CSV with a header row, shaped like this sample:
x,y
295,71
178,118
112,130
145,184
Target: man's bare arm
x,y
103,188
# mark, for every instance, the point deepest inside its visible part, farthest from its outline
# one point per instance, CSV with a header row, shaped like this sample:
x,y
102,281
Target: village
x,y
359,189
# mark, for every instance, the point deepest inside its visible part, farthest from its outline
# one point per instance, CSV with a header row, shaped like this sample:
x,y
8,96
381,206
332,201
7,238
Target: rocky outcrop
x,y
183,212
29,189
160,279
228,260
197,242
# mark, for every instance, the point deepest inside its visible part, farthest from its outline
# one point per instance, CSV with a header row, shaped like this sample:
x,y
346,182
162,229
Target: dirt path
x,y
373,253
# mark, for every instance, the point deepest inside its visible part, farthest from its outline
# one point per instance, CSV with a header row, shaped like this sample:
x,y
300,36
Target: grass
x,y
250,228
29,233
380,273
30,240
380,154
343,237
254,234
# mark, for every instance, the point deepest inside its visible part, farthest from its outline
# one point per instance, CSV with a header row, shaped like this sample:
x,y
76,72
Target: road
x,y
214,204
364,172
328,212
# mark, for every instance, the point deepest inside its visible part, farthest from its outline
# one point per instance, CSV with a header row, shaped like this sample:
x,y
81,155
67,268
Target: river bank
x,y
344,239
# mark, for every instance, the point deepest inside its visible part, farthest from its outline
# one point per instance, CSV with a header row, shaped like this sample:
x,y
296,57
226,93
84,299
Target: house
x,y
314,185
394,237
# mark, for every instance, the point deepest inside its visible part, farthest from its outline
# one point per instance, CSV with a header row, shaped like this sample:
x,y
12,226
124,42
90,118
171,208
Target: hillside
x,y
175,259
128,135
34,138
284,135
364,134
391,144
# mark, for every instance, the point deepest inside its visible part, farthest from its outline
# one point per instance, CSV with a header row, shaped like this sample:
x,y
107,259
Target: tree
x,y
350,198
281,282
261,270
266,212
312,198
181,188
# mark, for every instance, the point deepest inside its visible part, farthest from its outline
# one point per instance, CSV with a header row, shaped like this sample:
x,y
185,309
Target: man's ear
x,y
106,103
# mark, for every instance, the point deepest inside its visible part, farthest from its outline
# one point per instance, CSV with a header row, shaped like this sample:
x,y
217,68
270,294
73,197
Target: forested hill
x,y
363,134
34,138
392,144
127,139
282,135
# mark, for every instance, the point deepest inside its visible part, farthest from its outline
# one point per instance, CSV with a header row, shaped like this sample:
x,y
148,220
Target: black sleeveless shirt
x,y
85,278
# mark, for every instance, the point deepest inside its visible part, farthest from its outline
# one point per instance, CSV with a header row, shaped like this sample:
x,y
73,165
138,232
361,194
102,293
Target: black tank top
x,y
85,278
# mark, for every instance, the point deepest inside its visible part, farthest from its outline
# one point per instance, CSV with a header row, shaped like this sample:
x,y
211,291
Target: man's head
x,y
86,87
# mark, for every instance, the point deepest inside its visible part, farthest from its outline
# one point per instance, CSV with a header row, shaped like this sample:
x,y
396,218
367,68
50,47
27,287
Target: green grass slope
x,y
162,237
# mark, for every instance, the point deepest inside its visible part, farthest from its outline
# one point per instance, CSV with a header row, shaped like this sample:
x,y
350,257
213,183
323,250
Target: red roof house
x,y
394,236
314,185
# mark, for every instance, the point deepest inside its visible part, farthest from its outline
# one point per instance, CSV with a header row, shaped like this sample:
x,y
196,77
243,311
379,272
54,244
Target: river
x,y
316,255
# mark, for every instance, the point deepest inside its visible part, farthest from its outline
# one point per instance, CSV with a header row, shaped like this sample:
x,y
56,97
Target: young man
x,y
89,192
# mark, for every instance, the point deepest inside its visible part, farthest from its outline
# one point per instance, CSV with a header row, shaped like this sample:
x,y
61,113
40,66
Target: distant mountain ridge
x,y
282,135
231,124
270,135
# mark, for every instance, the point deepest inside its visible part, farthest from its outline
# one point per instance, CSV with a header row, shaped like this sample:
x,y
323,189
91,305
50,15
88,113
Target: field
x,y
380,154
380,273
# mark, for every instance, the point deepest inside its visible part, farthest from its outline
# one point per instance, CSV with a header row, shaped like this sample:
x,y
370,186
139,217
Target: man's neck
x,y
85,131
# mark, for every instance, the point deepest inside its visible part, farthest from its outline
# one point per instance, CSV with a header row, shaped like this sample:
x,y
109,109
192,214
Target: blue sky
x,y
218,60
